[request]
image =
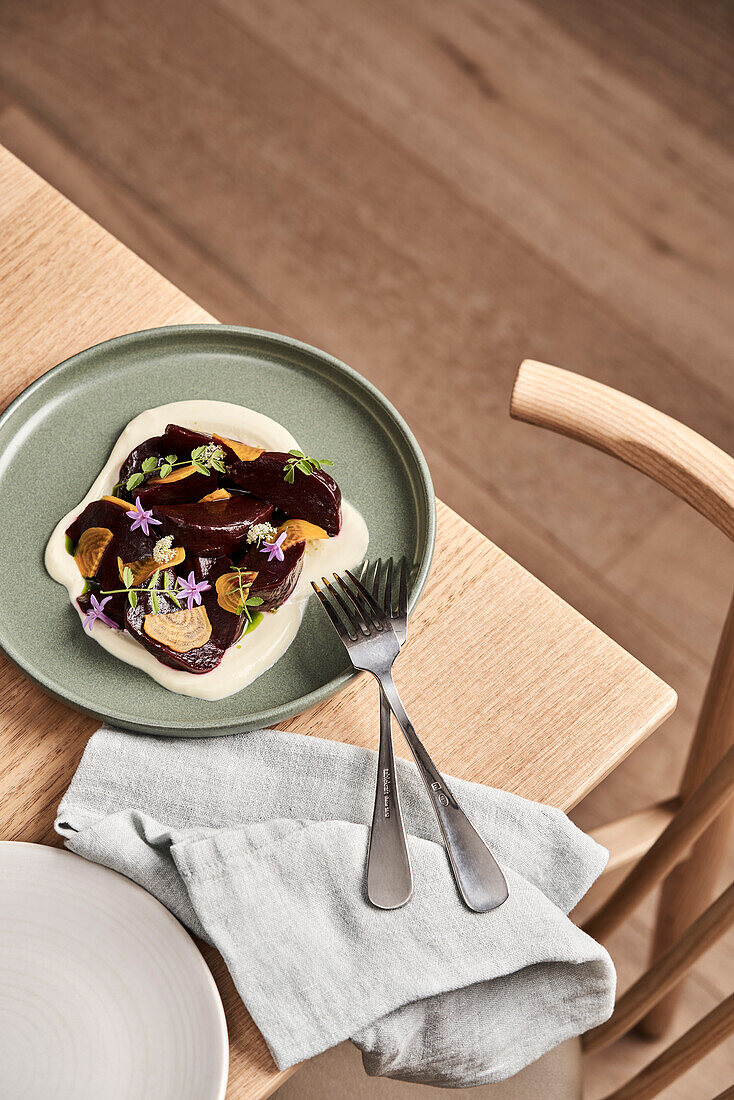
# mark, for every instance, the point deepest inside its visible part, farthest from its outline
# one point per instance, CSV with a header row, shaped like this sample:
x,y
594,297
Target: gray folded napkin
x,y
257,842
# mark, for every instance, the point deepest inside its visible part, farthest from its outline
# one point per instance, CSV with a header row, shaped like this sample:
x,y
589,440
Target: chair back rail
x,y
665,973
628,838
690,850
691,820
669,452
681,1055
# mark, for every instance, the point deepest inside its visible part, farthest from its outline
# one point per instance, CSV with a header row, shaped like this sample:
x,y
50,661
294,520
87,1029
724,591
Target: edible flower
x,y
190,590
141,518
96,613
274,548
260,531
163,551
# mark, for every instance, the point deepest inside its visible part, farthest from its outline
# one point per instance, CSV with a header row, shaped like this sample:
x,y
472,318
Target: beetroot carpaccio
x,y
199,538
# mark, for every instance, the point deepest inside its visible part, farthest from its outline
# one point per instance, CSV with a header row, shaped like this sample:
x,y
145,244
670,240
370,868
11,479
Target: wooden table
x,y
507,683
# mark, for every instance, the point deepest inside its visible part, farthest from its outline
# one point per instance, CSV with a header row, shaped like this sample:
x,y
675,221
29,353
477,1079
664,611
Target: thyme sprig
x,y
302,462
208,457
151,588
160,466
246,602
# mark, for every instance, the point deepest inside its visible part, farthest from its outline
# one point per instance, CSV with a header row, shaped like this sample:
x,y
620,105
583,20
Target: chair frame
x,y
681,842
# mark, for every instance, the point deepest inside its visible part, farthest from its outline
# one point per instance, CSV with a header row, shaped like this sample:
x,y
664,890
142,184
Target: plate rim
x,y
274,715
201,963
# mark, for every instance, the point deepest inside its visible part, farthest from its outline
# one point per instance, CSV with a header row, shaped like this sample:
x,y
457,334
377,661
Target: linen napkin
x,y
257,842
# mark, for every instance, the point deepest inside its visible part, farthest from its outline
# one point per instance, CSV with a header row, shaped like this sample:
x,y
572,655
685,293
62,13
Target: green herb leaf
x,y
175,599
304,464
254,601
127,576
156,605
134,481
166,580
165,469
149,464
132,598
170,459
197,453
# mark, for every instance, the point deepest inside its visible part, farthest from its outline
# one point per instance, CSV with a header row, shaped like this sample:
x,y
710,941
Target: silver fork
x,y
372,645
389,876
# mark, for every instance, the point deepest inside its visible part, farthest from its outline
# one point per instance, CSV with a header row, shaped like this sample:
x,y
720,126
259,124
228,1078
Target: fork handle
x,y
478,876
389,876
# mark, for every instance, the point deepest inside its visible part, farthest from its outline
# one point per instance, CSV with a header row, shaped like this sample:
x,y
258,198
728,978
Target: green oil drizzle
x,y
256,620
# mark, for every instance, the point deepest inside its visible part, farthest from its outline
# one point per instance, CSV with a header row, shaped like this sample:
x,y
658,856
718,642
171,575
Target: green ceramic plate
x,y
57,435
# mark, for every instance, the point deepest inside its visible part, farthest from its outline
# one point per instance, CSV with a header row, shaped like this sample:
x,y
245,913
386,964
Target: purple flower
x,y
96,613
191,590
141,517
274,548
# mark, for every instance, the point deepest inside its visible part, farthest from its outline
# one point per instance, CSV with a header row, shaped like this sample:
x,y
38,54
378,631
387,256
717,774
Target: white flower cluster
x,y
261,532
163,550
212,452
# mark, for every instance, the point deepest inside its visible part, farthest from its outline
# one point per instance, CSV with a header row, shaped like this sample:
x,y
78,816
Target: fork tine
x,y
361,605
374,587
376,612
338,625
360,625
387,602
369,575
403,588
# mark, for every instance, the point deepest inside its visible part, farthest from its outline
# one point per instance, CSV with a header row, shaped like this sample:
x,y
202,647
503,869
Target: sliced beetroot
x,y
203,659
275,579
214,527
155,447
126,544
182,441
174,441
315,497
178,441
211,533
179,490
114,608
226,627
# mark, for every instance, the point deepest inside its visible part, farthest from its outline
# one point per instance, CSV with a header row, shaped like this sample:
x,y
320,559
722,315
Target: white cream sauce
x,y
262,647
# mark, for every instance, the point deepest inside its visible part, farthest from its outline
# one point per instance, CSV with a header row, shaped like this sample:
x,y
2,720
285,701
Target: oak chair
x,y
681,841
703,475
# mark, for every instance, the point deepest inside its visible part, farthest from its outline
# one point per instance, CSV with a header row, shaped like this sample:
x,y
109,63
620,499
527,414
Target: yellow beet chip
x,y
90,549
181,631
243,451
299,530
229,596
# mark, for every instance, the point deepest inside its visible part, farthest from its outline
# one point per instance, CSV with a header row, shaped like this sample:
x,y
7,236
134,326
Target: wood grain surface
x,y
548,704
433,192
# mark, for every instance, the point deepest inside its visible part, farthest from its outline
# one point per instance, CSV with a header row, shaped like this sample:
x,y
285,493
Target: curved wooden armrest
x,y
667,451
